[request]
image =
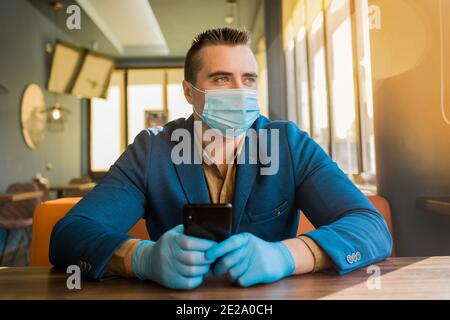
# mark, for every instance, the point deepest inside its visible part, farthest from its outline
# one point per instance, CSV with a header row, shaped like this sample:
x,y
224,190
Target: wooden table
x,y
401,278
60,189
20,196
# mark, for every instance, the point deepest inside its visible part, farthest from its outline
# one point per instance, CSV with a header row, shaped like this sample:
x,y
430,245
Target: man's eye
x,y
250,80
221,79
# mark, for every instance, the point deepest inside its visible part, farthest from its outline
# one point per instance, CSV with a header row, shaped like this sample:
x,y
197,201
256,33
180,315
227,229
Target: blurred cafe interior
x,y
368,80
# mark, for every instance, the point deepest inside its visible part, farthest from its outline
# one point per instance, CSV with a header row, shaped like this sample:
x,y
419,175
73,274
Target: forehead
x,y
235,59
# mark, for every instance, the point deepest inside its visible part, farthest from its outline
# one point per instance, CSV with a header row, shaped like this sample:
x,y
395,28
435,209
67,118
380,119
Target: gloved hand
x,y
250,260
175,261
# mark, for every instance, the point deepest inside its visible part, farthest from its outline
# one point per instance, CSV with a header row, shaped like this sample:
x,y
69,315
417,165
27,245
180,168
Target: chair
x,y
48,213
16,219
78,180
43,185
379,202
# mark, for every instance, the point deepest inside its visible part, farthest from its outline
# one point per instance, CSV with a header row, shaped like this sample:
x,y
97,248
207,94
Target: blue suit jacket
x,y
145,183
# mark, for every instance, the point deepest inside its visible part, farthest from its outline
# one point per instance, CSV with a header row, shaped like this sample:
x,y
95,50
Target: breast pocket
x,y
261,217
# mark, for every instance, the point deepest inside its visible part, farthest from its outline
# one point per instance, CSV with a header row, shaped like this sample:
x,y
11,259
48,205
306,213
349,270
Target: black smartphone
x,y
208,221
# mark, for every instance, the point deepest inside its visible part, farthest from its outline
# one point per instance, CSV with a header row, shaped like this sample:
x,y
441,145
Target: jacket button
x,y
350,259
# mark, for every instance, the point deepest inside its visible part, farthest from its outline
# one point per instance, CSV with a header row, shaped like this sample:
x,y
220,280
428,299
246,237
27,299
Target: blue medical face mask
x,y
231,111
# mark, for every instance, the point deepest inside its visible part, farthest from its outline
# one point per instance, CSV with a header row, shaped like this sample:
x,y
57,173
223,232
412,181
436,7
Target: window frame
x,y
328,142
356,86
124,128
98,174
299,79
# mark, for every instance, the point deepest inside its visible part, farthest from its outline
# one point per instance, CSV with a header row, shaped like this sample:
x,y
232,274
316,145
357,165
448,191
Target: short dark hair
x,y
227,36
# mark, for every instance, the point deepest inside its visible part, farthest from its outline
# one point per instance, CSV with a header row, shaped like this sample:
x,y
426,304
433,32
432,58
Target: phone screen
x,y
208,221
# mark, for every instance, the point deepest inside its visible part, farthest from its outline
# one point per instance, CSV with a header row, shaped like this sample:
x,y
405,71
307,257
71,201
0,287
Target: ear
x,y
187,89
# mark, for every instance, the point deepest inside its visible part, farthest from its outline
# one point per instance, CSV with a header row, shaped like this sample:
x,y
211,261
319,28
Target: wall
x,y
24,32
412,139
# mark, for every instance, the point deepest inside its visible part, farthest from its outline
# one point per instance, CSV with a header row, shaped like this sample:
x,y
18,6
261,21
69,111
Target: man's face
x,y
222,67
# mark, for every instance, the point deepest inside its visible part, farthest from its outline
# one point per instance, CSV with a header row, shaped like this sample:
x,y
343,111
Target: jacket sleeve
x,y
96,226
348,227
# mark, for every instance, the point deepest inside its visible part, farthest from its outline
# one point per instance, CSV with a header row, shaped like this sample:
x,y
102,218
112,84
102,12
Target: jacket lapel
x,y
192,176
245,176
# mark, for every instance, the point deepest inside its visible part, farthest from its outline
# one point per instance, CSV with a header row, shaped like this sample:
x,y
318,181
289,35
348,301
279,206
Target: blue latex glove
x,y
175,261
250,260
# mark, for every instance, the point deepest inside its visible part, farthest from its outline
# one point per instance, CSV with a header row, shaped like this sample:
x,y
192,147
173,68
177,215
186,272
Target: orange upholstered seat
x,y
379,202
48,213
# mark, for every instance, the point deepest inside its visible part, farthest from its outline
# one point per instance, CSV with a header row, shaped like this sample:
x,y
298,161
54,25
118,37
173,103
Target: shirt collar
x,y
230,154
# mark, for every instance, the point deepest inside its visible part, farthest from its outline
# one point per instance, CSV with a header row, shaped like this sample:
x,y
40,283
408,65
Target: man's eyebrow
x,y
226,73
219,73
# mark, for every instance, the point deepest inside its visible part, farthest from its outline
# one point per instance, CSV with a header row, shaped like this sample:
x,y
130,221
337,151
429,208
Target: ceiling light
x,y
56,117
231,7
56,5
229,19
56,114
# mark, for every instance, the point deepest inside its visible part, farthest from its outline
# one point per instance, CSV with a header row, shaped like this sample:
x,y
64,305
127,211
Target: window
x,y
177,104
145,93
333,87
318,76
365,87
107,125
342,85
302,82
137,99
290,82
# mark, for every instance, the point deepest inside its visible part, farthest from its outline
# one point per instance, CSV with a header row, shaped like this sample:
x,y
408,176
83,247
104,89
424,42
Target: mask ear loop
x,y
197,88
441,12
193,107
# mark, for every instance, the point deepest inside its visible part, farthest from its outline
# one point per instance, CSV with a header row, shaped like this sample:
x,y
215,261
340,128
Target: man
x,y
148,181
